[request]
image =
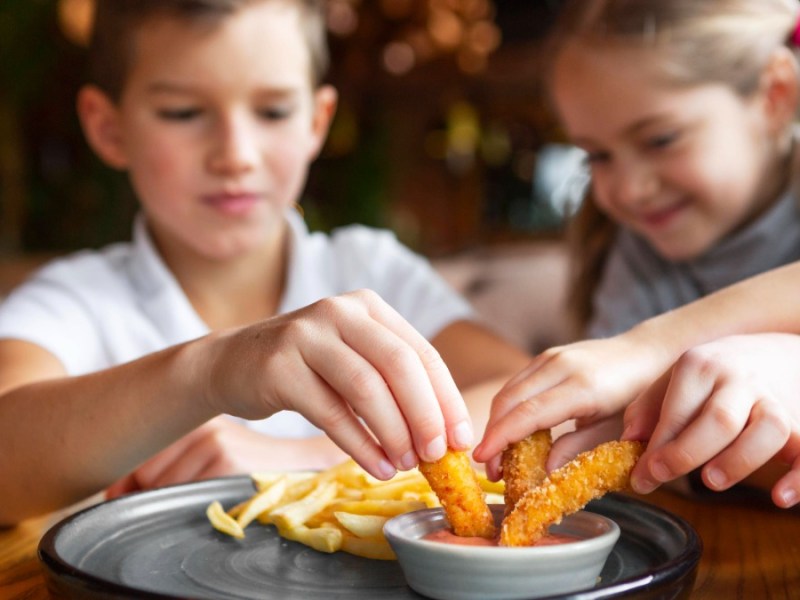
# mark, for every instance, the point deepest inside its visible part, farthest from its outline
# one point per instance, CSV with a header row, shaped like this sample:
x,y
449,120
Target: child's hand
x,y
590,381
352,366
222,447
728,406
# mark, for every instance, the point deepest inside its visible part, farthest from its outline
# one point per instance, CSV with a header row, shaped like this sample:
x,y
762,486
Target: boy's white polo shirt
x,y
96,309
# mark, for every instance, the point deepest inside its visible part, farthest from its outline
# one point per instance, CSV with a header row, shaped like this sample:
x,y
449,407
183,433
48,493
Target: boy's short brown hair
x,y
117,21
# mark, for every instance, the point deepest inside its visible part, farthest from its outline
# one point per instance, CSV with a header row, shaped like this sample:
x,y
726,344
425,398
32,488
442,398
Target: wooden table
x,y
751,550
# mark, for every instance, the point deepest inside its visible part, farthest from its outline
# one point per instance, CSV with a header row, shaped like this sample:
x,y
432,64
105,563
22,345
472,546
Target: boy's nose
x,y
235,150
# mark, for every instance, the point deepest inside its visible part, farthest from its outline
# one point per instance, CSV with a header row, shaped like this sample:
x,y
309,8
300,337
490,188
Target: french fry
x,y
222,521
430,499
490,487
376,548
383,508
324,538
363,526
394,489
263,501
294,514
342,508
264,480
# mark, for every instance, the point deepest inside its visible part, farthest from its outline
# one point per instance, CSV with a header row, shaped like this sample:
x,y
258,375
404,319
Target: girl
x,y
685,110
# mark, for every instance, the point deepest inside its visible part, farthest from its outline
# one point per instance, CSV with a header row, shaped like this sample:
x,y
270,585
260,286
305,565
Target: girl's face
x,y
681,166
217,128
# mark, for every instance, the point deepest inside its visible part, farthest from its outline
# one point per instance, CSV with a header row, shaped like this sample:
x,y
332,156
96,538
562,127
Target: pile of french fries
x,y
340,509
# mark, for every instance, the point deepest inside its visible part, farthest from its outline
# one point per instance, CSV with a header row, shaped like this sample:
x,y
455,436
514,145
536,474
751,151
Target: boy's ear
x,y
780,89
326,99
100,120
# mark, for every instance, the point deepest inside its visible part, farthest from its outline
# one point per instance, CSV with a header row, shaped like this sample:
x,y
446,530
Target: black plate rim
x,y
60,572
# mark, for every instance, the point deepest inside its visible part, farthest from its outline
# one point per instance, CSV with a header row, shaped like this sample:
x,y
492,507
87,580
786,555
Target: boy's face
x,y
683,167
217,127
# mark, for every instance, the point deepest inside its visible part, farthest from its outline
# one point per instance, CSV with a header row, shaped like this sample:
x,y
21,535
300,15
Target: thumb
x,y
641,416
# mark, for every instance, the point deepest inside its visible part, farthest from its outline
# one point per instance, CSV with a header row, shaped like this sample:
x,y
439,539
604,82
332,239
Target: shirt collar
x,y
159,293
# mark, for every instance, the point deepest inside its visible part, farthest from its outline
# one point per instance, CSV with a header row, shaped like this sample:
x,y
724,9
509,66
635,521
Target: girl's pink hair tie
x,y
794,39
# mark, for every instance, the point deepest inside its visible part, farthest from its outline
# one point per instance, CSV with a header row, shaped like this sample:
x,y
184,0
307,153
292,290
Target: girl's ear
x,y
325,101
780,83
100,120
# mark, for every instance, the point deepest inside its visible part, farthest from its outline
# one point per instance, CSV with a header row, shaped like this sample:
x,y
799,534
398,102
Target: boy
x,y
224,303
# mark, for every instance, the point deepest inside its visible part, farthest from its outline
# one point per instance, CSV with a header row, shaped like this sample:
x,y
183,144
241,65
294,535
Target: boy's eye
x,y
178,114
275,113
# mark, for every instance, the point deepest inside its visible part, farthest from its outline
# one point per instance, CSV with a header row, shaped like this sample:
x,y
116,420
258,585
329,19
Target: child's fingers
x,y
762,438
542,374
122,486
786,492
565,401
641,415
189,465
688,389
418,379
357,389
151,471
569,445
318,401
692,430
536,363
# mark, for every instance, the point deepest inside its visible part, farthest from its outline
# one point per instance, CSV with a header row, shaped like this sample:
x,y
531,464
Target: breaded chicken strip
x,y
455,484
524,465
568,489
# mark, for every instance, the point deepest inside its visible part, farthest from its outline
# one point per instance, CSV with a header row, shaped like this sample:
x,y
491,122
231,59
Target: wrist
x,y
197,364
664,338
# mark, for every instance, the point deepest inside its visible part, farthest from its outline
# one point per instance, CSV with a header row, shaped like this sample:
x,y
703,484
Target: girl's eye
x,y
663,140
178,114
596,158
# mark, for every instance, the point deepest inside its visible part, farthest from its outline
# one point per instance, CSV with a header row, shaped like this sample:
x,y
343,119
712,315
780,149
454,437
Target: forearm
x,y
765,303
65,439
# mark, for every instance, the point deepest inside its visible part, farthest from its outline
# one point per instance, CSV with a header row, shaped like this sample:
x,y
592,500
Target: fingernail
x,y
494,468
788,497
643,486
386,469
627,432
477,451
716,479
408,461
436,449
462,435
660,471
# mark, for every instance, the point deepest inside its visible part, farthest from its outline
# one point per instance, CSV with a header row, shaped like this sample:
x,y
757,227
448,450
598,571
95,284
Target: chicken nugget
x,y
524,465
455,484
568,489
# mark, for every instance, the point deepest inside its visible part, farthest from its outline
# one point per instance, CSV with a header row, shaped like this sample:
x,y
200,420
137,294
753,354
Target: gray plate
x,y
159,544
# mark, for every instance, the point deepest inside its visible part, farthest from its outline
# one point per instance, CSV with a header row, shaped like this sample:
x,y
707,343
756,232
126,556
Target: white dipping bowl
x,y
455,572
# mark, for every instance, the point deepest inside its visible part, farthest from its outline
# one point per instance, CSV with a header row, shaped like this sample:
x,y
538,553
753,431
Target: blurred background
x,y
443,134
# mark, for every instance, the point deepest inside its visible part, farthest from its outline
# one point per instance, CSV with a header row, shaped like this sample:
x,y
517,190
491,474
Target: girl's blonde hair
x,y
697,41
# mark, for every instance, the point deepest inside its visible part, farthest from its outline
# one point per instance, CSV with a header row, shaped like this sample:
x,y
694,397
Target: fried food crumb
x,y
453,480
568,489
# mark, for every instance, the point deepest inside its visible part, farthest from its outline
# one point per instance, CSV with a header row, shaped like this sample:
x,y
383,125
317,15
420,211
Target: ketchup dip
x,y
445,536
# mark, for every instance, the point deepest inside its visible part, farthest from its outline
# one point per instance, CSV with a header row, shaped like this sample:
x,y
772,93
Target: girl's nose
x,y
635,183
235,149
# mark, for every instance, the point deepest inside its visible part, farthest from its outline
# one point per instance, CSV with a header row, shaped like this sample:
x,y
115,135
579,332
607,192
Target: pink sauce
x,y
446,536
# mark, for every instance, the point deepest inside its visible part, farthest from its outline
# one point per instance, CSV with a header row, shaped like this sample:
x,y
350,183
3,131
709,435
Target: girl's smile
x,y
665,216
